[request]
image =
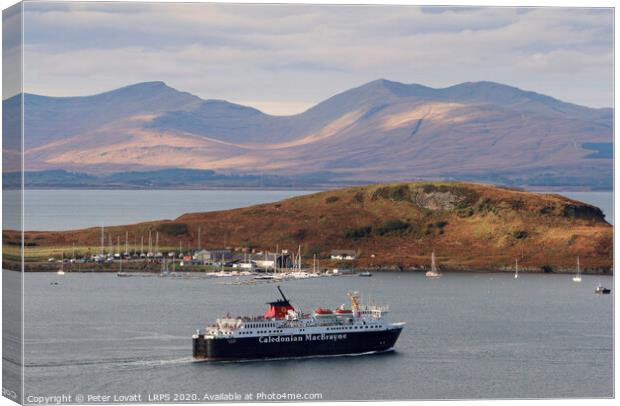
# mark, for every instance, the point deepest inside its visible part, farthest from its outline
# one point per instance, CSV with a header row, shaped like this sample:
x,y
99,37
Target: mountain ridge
x,y
379,131
382,81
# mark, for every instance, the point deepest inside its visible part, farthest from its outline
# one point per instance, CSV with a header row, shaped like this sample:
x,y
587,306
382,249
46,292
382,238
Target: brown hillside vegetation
x,y
470,226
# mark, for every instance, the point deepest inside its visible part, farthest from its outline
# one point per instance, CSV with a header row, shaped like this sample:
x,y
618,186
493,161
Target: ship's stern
x,y
199,346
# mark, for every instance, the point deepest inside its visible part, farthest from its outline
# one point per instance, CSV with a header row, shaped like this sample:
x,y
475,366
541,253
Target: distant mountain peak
x,y
154,86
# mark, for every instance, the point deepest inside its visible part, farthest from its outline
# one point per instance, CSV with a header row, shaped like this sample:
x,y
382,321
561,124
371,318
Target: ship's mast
x,y
281,293
199,232
355,303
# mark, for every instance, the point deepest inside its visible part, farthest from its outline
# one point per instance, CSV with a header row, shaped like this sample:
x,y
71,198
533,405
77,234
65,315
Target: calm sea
x,y
467,336
70,209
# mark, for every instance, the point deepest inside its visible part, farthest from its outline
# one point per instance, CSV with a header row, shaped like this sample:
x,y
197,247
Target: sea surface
x,y
467,336
70,209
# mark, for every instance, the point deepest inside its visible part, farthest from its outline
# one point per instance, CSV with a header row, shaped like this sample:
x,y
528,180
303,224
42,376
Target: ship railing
x,y
229,323
375,312
374,307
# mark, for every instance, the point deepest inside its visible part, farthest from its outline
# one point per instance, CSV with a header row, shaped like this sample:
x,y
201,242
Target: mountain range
x,y
381,131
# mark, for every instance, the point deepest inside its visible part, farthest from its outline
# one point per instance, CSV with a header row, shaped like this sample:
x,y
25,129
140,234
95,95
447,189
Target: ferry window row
x,y
260,332
351,328
258,325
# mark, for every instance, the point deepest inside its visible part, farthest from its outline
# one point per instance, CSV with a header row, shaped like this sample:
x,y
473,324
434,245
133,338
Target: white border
x,y
487,3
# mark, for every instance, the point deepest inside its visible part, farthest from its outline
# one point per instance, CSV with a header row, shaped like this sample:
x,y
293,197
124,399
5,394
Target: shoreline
x,y
355,271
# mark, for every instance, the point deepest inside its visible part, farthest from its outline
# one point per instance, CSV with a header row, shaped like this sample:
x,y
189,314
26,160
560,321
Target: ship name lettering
x,y
323,337
280,339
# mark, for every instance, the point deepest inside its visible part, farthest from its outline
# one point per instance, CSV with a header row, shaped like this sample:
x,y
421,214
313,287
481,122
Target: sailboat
x,y
61,271
164,268
433,273
577,277
516,268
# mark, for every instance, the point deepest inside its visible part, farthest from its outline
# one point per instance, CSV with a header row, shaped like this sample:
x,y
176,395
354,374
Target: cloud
x,y
301,54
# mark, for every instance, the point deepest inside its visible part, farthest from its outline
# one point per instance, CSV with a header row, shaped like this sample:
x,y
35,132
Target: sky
x,y
282,59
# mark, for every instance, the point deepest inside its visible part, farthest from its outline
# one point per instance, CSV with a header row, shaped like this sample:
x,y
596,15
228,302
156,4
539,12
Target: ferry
x,y
284,332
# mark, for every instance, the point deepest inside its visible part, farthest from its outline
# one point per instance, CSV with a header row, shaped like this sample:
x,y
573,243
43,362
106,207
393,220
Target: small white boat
x,y
601,290
433,273
299,275
61,271
516,268
264,277
577,277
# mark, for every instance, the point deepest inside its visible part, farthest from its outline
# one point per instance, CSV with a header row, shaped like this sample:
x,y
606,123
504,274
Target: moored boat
x,y
61,271
602,290
577,277
516,269
434,272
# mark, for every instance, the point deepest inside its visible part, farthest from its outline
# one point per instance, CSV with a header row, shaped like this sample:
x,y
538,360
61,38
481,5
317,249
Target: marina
x,y
158,249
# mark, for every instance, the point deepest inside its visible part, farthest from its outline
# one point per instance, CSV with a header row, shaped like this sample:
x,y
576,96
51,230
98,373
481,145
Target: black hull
x,y
298,345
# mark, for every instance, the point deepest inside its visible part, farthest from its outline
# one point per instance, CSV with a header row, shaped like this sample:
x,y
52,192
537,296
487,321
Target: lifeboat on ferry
x,y
344,312
321,312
